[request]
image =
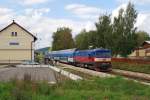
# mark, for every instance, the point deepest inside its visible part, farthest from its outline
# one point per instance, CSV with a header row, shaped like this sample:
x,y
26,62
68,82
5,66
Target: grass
x,y
94,89
143,68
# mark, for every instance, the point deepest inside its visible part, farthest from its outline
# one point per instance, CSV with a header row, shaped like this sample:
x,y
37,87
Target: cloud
x,y
84,11
31,2
141,18
6,14
37,12
40,25
143,22
4,11
115,12
44,26
139,2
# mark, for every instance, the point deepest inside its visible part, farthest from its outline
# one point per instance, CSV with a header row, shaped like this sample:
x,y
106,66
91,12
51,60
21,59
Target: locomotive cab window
x,y
103,54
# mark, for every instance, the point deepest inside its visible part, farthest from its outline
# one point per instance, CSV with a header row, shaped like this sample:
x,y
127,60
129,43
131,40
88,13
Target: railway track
x,y
139,77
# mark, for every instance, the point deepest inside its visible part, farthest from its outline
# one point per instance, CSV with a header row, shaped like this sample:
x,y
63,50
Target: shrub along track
x,y
141,77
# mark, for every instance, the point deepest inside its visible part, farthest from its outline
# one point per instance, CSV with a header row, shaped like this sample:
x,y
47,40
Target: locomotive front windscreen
x,y
104,54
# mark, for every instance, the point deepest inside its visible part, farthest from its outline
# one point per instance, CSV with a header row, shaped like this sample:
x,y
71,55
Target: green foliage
x,y
39,57
124,31
117,32
104,32
85,39
119,35
81,40
141,37
94,89
62,39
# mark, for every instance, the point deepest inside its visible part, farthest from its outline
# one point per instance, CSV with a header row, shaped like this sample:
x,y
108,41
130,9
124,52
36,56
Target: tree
x,y
104,32
141,37
85,39
81,40
92,39
39,57
130,38
118,30
124,31
62,39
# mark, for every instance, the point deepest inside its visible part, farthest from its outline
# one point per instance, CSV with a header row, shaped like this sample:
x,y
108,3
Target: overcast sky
x,y
43,17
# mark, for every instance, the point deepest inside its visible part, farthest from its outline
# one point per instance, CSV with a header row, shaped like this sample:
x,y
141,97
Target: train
x,y
97,59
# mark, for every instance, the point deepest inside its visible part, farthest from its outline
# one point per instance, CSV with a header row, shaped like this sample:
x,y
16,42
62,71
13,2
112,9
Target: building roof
x,y
35,38
147,42
46,49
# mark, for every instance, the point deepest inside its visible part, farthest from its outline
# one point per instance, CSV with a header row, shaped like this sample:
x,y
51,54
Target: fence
x,y
11,61
129,60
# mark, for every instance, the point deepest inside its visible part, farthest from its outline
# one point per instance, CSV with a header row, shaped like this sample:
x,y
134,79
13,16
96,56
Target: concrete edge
x,y
67,74
87,71
33,66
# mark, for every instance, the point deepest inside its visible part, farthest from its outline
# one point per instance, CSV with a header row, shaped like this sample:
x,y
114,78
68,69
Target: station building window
x,y
14,34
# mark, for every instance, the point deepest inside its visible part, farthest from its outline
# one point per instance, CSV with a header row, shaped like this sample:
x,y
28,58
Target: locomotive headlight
x,y
102,59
